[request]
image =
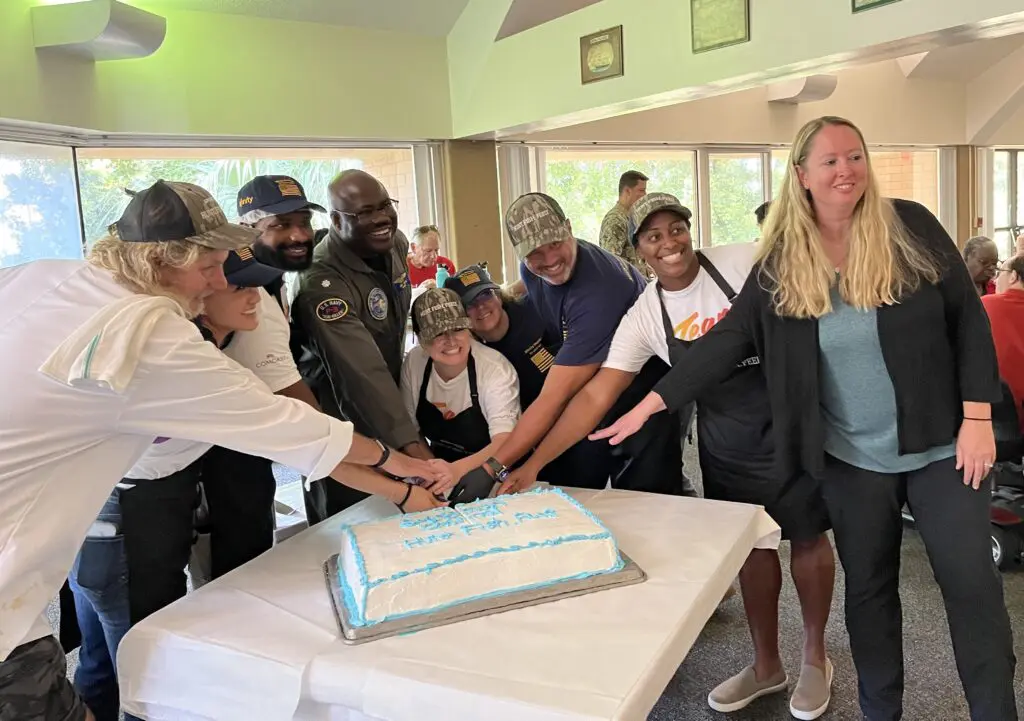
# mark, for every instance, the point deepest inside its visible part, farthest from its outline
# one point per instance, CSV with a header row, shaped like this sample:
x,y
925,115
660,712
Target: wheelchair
x,y
1007,481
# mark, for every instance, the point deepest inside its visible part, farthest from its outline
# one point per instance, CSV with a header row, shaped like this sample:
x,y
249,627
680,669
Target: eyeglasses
x,y
365,216
424,229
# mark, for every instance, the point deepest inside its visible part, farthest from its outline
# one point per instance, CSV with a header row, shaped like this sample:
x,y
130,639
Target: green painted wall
x,y
535,75
234,75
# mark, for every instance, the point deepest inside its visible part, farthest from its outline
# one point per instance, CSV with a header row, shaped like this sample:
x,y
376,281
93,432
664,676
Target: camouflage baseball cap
x,y
533,220
438,311
649,205
180,211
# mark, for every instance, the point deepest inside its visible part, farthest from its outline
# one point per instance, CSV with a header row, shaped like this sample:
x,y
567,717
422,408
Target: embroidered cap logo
x,y
288,187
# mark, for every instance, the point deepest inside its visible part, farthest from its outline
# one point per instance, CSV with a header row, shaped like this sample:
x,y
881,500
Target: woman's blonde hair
x,y
883,265
138,266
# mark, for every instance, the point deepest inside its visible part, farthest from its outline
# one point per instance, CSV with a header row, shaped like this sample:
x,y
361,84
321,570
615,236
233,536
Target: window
x,y
104,173
38,204
908,174
1008,199
736,182
780,160
586,182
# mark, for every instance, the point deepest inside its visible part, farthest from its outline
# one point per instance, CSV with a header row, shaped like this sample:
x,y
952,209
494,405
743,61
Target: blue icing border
x,y
355,613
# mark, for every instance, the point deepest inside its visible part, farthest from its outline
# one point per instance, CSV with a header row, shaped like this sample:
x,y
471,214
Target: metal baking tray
x,y
629,574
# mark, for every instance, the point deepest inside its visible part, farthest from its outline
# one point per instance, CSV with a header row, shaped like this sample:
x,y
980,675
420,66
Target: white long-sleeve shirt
x,y
62,449
263,350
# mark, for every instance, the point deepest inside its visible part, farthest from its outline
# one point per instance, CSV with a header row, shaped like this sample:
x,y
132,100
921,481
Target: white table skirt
x,y
262,642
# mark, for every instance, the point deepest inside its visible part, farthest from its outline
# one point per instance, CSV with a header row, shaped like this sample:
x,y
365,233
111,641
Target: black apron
x,y
734,419
461,436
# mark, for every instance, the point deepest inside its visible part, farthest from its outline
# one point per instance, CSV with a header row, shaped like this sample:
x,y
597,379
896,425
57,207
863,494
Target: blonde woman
x,y
106,361
881,371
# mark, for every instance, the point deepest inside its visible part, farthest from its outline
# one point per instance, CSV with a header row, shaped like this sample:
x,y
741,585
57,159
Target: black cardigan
x,y
936,343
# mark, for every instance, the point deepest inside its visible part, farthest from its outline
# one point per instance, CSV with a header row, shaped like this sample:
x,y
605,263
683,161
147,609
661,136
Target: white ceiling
x,y
422,17
967,61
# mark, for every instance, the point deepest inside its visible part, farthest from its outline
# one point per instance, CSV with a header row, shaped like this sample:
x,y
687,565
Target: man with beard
x,y
581,292
276,205
353,304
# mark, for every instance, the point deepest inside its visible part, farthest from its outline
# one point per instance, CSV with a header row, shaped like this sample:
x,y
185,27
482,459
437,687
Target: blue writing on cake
x,y
490,525
433,538
450,518
526,516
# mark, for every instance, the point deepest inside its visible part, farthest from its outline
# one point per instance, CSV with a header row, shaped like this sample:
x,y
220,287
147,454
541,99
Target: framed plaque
x,y
859,5
719,23
601,55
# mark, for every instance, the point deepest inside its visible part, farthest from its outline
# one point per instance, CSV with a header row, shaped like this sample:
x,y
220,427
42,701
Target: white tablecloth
x,y
262,642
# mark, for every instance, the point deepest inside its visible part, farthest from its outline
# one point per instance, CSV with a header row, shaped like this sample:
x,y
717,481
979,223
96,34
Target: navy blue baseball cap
x,y
243,270
274,195
470,282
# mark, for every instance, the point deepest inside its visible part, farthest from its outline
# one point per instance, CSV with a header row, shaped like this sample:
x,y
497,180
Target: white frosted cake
x,y
424,562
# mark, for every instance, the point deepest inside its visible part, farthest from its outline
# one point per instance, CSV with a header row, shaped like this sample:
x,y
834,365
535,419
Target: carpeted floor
x,y
933,689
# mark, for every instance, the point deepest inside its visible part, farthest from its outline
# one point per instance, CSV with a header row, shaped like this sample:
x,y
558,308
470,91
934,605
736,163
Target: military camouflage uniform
x,y
614,237
34,687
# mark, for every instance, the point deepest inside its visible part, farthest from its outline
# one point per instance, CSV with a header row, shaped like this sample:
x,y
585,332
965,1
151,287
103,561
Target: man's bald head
x,y
362,212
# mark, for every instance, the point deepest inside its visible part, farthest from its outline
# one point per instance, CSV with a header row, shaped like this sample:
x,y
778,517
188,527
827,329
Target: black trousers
x,y
953,520
156,522
327,497
240,495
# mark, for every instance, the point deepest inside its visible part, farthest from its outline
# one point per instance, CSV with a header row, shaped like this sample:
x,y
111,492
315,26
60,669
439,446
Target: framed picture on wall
x,y
719,23
601,55
860,5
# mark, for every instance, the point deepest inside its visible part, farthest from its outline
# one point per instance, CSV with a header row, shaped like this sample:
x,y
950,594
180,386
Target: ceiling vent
x,y
97,30
805,90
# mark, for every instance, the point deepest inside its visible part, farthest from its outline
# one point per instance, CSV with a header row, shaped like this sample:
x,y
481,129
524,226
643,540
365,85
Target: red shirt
x,y
1006,316
417,275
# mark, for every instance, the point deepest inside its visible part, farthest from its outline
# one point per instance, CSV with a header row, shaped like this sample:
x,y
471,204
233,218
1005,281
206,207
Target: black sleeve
x,y
967,323
716,354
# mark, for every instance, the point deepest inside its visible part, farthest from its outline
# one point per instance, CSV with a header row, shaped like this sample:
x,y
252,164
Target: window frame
x,y
428,158
1015,156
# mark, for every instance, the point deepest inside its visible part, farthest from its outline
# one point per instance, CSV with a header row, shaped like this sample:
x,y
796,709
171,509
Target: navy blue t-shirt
x,y
530,347
587,309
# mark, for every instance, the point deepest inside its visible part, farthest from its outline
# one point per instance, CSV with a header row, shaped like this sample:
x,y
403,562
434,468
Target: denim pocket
x,y
101,565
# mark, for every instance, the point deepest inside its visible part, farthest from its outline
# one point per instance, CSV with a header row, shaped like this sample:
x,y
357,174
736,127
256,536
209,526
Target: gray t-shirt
x,y
858,403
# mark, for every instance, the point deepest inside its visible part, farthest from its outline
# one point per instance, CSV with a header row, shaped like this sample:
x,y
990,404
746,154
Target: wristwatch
x,y
385,454
498,468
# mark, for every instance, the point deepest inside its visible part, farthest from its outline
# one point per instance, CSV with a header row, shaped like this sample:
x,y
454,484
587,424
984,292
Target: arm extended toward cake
x,y
354,472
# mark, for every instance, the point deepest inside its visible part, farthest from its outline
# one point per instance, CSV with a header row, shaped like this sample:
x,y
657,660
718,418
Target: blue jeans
x,y
99,581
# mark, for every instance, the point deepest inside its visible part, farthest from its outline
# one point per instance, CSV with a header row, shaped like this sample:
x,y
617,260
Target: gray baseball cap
x,y
438,311
180,211
649,205
534,220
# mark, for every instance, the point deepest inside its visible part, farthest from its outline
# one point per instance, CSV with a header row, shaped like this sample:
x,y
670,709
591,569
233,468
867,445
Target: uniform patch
x,y
332,309
402,283
377,302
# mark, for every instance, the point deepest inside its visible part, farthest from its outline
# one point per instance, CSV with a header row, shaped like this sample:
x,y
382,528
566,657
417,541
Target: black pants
x,y
240,495
156,522
953,520
650,460
327,497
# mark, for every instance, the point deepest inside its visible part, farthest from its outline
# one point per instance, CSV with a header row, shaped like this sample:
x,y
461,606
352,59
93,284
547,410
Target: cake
x,y
424,562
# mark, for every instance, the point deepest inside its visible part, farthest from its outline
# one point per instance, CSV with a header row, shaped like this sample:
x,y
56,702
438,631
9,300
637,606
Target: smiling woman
x,y
463,395
853,295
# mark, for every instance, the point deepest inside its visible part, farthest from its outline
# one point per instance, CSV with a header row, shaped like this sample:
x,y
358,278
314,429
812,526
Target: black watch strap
x,y
385,454
497,467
